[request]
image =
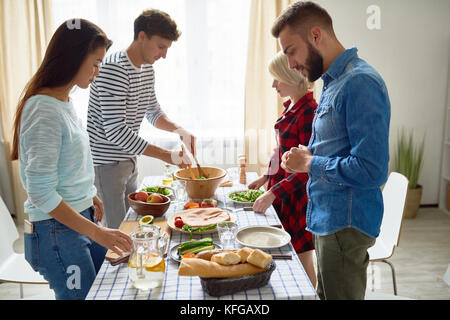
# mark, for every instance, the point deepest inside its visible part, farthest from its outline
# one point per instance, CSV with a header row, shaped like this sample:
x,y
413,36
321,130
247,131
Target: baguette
x,y
207,269
244,253
226,258
259,258
207,254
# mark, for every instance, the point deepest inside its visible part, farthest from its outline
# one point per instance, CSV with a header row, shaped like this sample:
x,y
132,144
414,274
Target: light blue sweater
x,y
55,160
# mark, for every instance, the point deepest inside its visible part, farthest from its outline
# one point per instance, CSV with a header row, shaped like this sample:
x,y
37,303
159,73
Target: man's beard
x,y
314,63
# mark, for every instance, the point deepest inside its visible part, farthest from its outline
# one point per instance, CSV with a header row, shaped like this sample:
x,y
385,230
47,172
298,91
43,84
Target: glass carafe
x,y
146,266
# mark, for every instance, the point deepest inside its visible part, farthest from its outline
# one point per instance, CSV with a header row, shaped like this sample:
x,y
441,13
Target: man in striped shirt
x,y
120,96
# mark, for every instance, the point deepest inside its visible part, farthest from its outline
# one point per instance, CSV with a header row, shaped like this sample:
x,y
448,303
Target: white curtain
x,y
201,83
24,34
5,184
262,104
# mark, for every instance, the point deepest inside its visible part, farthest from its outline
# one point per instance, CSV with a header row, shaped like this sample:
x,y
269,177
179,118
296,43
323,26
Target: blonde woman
x,y
285,191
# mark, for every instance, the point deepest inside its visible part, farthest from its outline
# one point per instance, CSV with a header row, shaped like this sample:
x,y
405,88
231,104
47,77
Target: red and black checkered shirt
x,y
292,128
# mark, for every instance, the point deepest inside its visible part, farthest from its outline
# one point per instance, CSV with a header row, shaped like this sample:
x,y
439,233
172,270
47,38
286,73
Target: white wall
x,y
411,51
149,167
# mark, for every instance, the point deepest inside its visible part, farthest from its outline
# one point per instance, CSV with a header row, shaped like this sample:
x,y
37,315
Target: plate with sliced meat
x,y
199,220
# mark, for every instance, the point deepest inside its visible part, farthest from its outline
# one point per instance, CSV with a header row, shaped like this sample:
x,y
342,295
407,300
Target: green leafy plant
x,y
409,157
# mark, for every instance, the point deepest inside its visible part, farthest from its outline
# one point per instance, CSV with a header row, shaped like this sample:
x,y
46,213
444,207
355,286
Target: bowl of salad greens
x,y
201,187
164,190
245,196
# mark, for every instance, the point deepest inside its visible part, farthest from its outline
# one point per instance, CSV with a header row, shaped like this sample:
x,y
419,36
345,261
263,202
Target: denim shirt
x,y
350,145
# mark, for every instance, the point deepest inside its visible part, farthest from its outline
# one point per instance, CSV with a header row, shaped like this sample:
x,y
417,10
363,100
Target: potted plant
x,y
409,161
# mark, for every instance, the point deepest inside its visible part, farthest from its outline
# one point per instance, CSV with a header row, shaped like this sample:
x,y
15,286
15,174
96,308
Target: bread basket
x,y
217,287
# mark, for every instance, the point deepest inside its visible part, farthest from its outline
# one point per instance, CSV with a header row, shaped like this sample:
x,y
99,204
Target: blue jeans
x,y
68,260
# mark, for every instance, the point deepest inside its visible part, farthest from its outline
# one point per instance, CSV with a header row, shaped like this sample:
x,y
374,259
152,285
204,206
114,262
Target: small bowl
x,y
144,208
201,189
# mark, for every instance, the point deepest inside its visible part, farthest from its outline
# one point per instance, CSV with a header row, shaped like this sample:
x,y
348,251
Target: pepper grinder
x,y
242,174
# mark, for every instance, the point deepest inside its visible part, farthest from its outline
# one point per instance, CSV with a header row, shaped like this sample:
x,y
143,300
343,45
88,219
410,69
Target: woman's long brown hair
x,y
69,46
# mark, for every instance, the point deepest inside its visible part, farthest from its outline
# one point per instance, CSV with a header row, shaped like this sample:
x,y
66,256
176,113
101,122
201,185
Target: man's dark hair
x,y
156,22
301,16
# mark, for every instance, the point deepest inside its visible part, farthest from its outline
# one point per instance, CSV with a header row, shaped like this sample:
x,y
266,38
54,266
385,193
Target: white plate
x,y
263,237
240,202
171,221
176,257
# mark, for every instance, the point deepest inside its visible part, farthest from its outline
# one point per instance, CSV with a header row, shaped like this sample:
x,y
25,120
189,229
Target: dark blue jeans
x,y
68,260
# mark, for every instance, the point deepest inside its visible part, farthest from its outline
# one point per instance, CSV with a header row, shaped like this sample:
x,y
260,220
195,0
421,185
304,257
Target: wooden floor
x,y
421,261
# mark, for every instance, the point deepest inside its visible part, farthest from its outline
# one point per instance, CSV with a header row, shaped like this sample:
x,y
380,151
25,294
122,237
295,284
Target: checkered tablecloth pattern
x,y
288,281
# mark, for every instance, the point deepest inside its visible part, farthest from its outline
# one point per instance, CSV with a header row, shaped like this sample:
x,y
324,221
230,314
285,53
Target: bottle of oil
x,y
167,177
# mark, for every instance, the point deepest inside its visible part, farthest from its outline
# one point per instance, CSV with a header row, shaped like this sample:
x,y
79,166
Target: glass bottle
x,y
167,177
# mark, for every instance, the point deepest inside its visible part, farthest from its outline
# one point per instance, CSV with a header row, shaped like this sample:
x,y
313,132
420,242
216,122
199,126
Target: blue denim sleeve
x,y
365,106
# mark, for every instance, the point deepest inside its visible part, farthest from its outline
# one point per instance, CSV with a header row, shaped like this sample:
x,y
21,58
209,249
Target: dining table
x,y
288,281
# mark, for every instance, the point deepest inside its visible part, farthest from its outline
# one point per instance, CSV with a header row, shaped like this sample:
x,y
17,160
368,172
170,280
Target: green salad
x,y
157,189
246,196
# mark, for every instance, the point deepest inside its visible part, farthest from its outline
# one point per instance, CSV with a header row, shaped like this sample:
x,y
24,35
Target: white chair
x,y
394,197
13,266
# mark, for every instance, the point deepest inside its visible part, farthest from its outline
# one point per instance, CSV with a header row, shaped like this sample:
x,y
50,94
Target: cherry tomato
x,y
179,223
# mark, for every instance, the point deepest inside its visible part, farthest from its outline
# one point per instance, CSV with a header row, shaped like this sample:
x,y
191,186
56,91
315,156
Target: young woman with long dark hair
x,y
63,241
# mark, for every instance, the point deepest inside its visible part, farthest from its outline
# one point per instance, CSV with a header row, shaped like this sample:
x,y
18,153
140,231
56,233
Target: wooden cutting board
x,y
128,226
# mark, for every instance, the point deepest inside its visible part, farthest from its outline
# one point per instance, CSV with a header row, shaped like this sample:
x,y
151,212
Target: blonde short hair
x,y
279,69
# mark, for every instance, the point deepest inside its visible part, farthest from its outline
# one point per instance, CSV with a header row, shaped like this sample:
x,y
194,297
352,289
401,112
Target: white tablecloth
x,y
288,281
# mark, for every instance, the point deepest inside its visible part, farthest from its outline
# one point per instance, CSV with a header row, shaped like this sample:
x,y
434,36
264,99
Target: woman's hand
x,y
113,239
264,202
258,183
98,206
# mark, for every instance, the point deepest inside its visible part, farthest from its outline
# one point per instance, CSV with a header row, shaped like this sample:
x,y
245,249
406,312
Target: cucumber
x,y
192,245
197,249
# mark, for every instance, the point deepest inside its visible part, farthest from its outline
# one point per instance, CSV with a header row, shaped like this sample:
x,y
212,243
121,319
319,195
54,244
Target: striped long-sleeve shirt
x,y
120,96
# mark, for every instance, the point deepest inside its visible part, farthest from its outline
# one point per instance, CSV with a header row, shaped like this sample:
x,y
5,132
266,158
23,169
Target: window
x,y
200,85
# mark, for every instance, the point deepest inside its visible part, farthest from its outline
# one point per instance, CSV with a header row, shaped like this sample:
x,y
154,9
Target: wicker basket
x,y
217,287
